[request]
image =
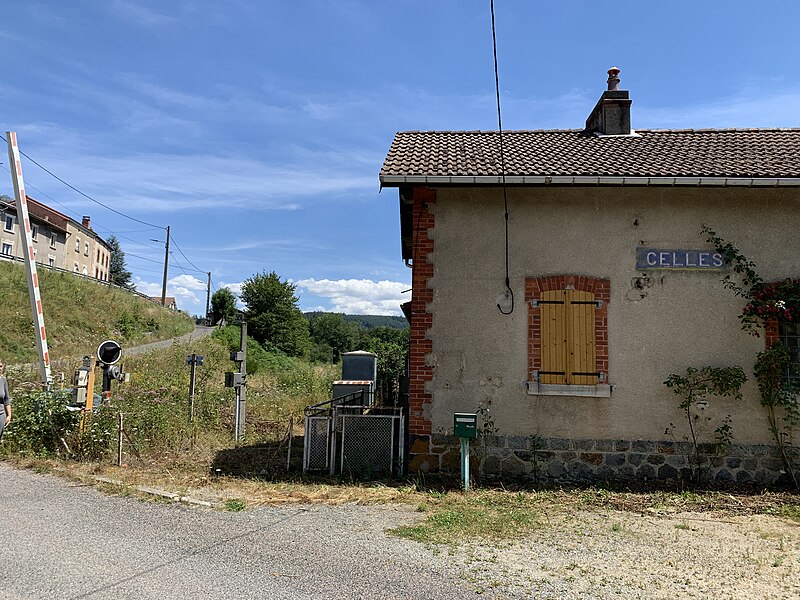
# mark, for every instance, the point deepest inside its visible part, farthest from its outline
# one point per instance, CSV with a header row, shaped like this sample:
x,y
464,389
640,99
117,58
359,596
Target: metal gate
x,y
368,445
345,436
316,446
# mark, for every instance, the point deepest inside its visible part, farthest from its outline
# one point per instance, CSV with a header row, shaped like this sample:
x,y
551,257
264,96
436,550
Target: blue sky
x,y
256,129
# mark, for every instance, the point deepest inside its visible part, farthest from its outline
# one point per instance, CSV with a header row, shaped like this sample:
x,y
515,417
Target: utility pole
x,y
15,165
208,296
166,268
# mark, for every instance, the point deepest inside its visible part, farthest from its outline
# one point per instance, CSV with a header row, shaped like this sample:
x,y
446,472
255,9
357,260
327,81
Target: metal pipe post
x,y
242,396
465,463
192,369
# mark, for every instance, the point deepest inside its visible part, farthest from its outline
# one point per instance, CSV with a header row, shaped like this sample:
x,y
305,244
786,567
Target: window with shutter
x,y
789,336
568,339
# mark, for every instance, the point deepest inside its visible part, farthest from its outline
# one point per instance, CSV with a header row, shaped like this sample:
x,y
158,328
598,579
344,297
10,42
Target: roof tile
x,y
732,153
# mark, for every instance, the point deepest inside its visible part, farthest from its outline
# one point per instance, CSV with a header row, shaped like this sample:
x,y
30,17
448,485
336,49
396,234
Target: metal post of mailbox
x,y
465,426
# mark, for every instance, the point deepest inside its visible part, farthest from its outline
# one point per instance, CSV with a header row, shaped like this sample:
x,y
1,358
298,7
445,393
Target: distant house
x,y
58,241
614,289
87,253
169,302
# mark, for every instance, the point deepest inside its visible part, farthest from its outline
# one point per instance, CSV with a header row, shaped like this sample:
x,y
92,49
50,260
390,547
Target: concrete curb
x,y
156,492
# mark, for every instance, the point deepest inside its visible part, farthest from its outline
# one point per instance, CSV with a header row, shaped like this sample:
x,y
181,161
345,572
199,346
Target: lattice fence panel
x,y
316,443
368,446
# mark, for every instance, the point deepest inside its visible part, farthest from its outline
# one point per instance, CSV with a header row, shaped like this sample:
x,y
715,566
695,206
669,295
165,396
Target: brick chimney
x,y
85,222
612,113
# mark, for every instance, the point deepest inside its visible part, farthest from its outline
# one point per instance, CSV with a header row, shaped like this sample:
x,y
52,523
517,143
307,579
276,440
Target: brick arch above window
x,y
568,335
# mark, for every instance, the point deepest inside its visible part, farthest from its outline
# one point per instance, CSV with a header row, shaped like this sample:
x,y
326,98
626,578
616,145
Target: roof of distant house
x,y
168,301
581,156
42,213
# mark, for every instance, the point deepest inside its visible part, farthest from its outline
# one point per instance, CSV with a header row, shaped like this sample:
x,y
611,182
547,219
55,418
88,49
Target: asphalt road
x,y
64,540
198,332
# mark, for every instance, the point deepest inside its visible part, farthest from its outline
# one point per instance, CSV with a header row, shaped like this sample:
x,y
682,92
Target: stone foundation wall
x,y
566,460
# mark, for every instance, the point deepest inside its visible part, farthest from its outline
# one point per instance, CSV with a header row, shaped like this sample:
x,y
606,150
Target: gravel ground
x,y
603,554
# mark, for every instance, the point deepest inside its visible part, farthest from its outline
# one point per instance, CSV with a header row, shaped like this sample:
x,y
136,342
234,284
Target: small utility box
x,y
465,425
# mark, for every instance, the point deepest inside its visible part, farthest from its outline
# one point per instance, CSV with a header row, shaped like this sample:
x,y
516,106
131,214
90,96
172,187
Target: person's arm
x,y
7,401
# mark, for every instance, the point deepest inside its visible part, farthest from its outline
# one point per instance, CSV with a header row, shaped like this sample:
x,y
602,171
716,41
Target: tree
x,y
272,314
117,272
333,335
223,306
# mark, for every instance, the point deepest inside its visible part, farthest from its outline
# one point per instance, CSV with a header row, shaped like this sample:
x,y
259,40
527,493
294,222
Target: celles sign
x,y
656,258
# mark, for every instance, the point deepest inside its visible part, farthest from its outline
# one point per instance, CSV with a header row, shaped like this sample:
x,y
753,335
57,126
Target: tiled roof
x,y
42,213
706,153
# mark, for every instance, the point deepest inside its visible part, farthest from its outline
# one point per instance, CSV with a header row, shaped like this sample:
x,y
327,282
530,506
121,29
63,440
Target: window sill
x,y
602,390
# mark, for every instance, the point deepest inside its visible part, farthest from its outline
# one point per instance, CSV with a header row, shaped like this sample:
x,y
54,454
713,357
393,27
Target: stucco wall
x,y
684,319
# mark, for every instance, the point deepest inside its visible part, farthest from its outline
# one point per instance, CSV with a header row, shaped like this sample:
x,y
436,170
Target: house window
x,y
6,251
567,336
789,336
77,244
51,260
9,223
86,249
53,239
35,233
77,268
85,270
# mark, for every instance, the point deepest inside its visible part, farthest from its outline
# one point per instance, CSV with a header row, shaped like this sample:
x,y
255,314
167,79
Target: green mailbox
x,y
465,425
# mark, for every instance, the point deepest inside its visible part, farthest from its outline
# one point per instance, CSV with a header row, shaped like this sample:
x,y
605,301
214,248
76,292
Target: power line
x,y
152,260
74,214
151,225
509,291
174,243
72,187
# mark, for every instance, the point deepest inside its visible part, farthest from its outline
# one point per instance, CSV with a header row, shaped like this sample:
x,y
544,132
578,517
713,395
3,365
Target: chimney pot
x,y
613,79
86,222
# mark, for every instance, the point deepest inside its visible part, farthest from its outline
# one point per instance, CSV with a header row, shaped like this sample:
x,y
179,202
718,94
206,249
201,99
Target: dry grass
x,y
450,516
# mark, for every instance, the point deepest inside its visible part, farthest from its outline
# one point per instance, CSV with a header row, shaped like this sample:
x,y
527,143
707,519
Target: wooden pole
x,y
291,434
166,269
119,440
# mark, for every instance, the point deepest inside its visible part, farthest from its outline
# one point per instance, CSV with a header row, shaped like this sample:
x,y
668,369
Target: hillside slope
x,y
79,314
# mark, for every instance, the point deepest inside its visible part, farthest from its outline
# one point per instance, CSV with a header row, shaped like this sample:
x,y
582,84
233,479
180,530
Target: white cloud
x,y
169,183
188,291
236,288
148,288
187,281
358,296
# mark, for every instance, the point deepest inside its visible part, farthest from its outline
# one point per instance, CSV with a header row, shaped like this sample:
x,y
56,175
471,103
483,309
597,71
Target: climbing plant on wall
x,y
767,303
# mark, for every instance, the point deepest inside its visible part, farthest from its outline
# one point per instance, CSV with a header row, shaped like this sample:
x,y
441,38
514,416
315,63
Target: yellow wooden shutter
x,y
554,337
579,313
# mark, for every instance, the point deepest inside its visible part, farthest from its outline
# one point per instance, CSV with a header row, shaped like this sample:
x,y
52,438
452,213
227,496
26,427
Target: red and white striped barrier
x,y
30,258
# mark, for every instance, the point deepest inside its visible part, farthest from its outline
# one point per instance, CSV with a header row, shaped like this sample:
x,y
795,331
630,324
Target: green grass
x,y
791,511
234,505
79,314
154,404
454,518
